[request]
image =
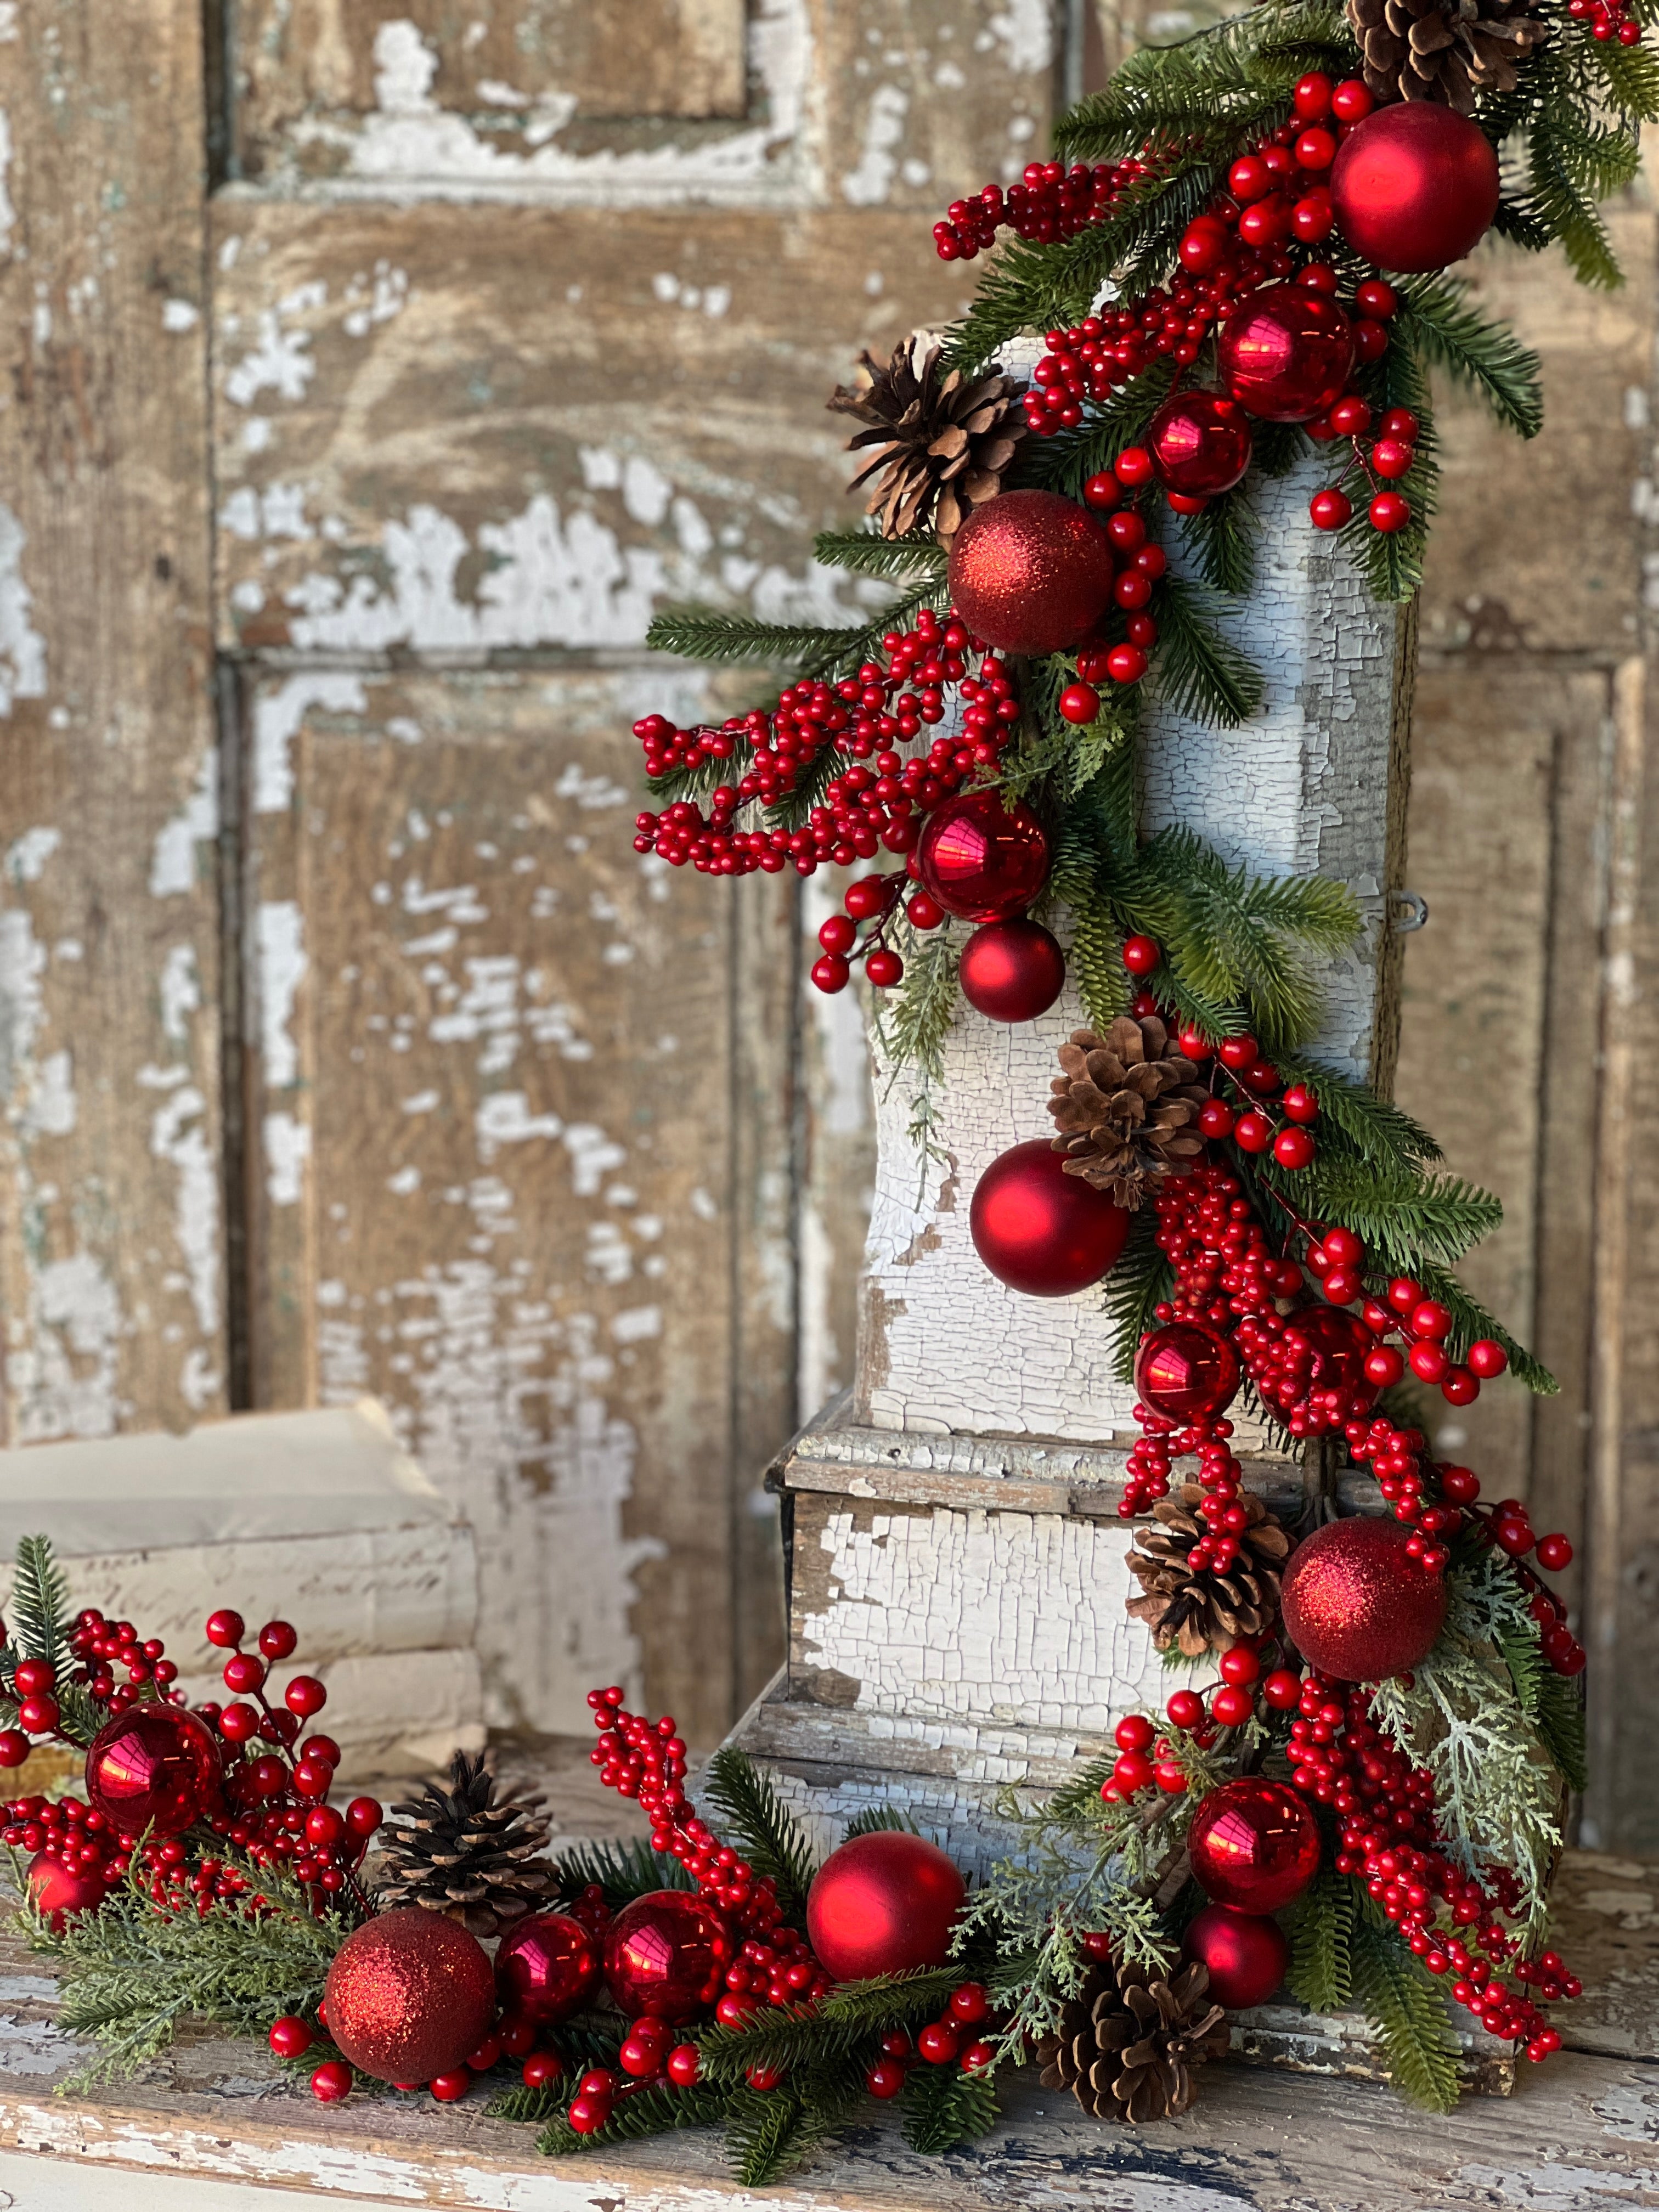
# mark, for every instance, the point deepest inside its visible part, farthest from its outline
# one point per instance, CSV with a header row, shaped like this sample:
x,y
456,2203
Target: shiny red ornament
x,y
1040,1231
982,861
1247,1955
1187,1372
1030,572
1012,971
1414,187
666,1954
1253,1844
547,1967
1356,1605
1285,353
883,1904
1341,1344
1201,443
156,1767
57,1891
409,1994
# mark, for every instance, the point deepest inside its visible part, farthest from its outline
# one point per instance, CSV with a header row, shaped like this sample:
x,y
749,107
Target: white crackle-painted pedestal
x,y
956,1563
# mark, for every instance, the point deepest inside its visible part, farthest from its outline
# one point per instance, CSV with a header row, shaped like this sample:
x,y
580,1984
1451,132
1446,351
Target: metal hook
x,y
1416,911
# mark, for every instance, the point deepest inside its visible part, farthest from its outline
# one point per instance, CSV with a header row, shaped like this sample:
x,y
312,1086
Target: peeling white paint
x,y
26,857
283,963
277,718
180,992
179,315
179,1137
173,861
281,361
287,1143
504,1118
64,1377
22,648
869,183
1026,31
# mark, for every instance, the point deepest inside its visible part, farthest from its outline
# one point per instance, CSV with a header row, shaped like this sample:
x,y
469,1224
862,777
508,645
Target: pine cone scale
x,y
1212,1609
1447,50
463,1853
1123,1108
927,431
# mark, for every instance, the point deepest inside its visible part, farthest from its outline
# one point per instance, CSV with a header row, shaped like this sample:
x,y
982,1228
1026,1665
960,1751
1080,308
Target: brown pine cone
x,y
459,1852
1448,51
1128,2043
1208,1611
937,445
1126,1108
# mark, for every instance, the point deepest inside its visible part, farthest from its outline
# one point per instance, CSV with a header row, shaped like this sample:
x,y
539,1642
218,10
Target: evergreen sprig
x,y
653,2111
761,1825
1321,1943
805,2037
1201,672
622,1870
867,553
941,2107
39,1605
1407,2011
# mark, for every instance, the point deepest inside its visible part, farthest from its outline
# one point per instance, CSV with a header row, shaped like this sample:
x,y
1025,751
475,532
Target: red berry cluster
x,y
1392,452
1255,1084
1607,19
950,2040
1139,567
873,900
99,1646
512,2037
1051,202
1390,1839
872,803
1109,349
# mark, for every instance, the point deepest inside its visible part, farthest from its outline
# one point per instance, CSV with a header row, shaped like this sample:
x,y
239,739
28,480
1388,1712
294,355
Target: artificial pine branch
x,y
706,634
544,2102
1404,1215
1375,1128
803,2038
761,1825
656,2111
1065,462
1221,537
1560,1723
1201,672
1470,1320
880,1821
622,1871
39,1605
1408,2012
1484,356
942,2106
867,553
1321,1969
1140,1277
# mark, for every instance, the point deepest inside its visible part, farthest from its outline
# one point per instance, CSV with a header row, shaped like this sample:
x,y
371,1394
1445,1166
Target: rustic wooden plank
x,y
112,1293
514,1047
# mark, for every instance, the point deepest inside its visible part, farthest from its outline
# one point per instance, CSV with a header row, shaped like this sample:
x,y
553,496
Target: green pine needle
x,y
1407,2010
865,553
942,2107
880,1821
622,1871
650,2111
1484,356
38,1606
1321,1968
1201,672
523,2103
1560,1720
1221,539
760,1825
1140,1278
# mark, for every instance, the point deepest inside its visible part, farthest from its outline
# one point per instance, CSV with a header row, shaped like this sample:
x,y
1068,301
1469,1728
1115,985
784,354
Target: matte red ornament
x,y
1287,353
156,1767
547,1967
1012,971
666,1954
408,1995
1030,572
1201,443
1185,1372
1356,1605
1253,1844
1414,187
1040,1230
883,1904
56,1891
1247,1955
982,861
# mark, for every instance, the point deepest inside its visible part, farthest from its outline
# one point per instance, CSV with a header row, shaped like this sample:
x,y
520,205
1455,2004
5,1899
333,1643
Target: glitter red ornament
x,y
883,1904
1012,971
547,1967
1414,187
1040,1231
1030,572
1356,1605
1246,1954
153,1767
1187,1372
58,1892
1287,353
1200,442
666,1954
980,860
408,1995
1253,1844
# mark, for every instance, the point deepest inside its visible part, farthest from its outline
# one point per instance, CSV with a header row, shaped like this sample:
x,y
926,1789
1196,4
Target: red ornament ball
x,y
883,1904
666,1954
57,1891
1287,353
156,1767
1414,187
1341,1344
1186,1371
1201,443
1012,971
1253,1844
1246,1954
1030,572
1356,1605
1040,1231
982,861
547,1967
408,1995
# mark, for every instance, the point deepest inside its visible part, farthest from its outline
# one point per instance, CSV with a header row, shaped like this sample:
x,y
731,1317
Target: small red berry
x,y
684,2065
1293,1148
884,2079
939,2042
1134,1732
1487,1358
1330,509
1555,1552
1132,1770
305,1695
1215,1119
1185,1708
884,967
1240,1666
290,2037
1103,491
278,1640
541,2068
1384,1367
1141,955
1389,510
1253,1133
970,2004
332,2081
1282,1689
925,913
839,933
588,2115
1232,1706
1126,664
1428,1362
1134,466
1079,702
227,1628
831,973
978,2057
1299,1104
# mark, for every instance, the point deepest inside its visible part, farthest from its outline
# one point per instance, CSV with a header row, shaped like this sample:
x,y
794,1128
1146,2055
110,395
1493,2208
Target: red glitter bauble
x,y
1341,1344
1247,1955
1287,353
58,1891
1012,971
1040,1231
1253,1844
1030,572
547,1967
1414,187
666,1954
1187,1372
1356,1605
982,861
883,1904
408,1995
1200,443
156,1767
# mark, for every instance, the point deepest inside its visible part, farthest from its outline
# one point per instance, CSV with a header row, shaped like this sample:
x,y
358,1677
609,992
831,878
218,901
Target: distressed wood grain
x,y
498,1073
111,1291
